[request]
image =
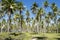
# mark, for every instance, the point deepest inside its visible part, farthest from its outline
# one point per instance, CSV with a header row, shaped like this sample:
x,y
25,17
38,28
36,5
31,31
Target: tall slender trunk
x,y
21,20
56,23
1,28
27,26
48,23
9,21
40,24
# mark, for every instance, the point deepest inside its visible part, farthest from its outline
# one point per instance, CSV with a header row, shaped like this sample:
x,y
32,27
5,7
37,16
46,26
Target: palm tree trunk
x,y
27,26
42,27
56,25
1,28
9,21
21,21
40,23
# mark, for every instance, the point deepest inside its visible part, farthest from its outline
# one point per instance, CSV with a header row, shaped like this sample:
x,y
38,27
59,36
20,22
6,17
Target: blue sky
x,y
28,4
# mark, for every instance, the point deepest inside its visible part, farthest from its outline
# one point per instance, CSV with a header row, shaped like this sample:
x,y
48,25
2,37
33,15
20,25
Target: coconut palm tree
x,y
34,7
40,13
27,18
20,8
50,17
55,9
17,18
8,6
39,16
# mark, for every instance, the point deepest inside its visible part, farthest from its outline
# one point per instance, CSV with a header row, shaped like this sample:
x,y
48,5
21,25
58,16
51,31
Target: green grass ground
x,y
28,36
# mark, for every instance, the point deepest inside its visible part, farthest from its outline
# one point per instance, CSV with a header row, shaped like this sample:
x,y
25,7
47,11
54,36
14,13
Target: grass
x,y
28,36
